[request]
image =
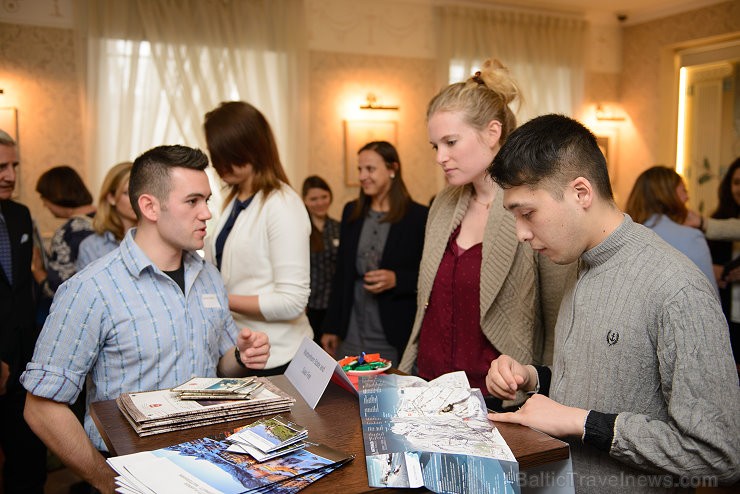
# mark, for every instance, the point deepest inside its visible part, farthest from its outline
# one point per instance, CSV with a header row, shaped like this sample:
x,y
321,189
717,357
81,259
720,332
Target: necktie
x,y
5,258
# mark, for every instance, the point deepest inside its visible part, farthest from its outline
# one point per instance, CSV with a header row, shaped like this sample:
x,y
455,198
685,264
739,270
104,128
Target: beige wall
x,y
37,74
648,88
339,83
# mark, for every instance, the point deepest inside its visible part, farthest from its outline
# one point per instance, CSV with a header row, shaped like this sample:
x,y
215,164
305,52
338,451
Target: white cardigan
x,y
267,254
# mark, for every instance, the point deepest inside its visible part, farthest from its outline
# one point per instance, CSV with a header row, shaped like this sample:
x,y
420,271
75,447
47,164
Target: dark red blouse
x,y
451,338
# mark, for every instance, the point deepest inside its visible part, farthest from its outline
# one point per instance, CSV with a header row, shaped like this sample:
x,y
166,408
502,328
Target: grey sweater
x,y
641,335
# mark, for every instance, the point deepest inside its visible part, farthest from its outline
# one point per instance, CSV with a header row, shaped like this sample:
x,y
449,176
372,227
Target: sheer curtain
x,y
545,53
151,69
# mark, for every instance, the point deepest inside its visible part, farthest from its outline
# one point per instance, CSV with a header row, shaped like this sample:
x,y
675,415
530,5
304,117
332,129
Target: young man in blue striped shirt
x,y
149,315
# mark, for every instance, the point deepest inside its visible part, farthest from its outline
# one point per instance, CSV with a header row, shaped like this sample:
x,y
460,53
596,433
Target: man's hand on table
x,y
507,376
546,415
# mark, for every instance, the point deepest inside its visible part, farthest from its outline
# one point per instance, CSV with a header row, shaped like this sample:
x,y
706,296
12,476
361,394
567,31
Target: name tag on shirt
x,y
210,301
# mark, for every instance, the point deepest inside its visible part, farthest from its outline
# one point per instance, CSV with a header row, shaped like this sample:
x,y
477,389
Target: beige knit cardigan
x,y
520,292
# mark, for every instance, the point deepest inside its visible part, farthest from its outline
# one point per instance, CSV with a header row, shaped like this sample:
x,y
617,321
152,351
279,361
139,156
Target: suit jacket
x,y
401,254
17,302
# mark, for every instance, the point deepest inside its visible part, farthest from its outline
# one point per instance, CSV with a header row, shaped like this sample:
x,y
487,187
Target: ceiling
x,y
634,11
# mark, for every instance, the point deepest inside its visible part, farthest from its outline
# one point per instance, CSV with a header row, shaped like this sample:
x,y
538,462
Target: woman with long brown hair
x,y
261,244
373,296
725,252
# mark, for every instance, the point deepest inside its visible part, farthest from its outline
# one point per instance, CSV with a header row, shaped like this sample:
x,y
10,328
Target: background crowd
x,y
485,280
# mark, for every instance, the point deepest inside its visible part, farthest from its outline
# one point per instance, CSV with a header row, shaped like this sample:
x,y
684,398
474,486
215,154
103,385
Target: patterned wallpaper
x,y
37,74
338,85
373,27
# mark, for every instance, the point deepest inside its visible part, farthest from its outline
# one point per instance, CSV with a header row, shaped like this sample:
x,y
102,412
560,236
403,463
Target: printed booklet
x,y
270,434
153,412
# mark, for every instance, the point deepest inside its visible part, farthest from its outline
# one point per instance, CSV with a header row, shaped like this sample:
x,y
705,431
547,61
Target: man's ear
x,y
149,206
583,191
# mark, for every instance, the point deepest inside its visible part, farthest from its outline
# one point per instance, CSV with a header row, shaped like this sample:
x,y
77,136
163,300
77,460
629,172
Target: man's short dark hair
x,y
151,171
548,152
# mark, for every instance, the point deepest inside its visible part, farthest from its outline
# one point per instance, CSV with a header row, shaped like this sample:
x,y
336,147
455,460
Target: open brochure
x,y
204,466
433,434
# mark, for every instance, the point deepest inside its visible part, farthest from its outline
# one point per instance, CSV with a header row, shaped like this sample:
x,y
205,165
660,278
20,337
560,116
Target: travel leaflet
x,y
433,434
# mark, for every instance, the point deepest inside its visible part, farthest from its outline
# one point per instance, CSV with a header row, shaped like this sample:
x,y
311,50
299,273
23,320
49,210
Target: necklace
x,y
486,204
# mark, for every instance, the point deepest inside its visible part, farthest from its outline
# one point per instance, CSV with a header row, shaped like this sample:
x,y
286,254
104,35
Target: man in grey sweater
x,y
643,384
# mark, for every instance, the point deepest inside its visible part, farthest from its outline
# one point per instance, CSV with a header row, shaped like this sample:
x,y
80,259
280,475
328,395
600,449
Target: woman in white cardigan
x,y
261,242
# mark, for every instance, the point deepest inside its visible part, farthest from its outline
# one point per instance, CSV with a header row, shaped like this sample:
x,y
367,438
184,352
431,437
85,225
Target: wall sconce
x,y
606,113
371,104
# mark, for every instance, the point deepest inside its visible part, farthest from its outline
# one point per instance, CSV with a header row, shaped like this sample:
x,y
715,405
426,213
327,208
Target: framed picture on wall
x,y
9,121
357,133
607,141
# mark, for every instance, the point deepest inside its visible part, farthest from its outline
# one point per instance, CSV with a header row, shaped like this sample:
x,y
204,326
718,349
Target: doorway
x,y
708,134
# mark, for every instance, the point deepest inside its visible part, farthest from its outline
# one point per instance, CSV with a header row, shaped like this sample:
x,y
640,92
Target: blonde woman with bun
x,y
114,216
479,290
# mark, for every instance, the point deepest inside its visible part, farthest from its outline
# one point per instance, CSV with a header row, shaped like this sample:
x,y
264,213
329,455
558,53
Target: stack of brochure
x,y
268,438
154,412
206,466
217,388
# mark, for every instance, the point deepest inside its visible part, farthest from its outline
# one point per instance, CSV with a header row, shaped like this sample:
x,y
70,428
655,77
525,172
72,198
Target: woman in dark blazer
x,y
373,296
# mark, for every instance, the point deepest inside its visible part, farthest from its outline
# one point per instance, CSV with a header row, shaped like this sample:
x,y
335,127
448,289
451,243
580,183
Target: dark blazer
x,y
17,304
401,254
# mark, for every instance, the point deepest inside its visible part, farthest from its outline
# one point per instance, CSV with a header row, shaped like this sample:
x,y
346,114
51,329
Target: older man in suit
x,y
25,455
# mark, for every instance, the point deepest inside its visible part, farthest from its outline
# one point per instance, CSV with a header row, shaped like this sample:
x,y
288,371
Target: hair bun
x,y
497,78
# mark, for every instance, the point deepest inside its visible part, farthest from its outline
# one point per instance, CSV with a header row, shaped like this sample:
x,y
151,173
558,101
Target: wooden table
x,y
335,422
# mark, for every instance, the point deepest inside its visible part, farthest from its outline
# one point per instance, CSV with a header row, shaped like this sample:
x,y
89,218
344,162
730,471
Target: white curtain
x,y
152,69
545,53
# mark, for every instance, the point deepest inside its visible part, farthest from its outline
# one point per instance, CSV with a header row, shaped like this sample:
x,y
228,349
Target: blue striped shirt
x,y
129,325
94,247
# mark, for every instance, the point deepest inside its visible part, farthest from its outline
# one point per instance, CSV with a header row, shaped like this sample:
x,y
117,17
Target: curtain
x,y
545,53
151,69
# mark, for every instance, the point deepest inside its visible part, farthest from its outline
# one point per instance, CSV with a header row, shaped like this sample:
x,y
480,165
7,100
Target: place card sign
x,y
311,370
